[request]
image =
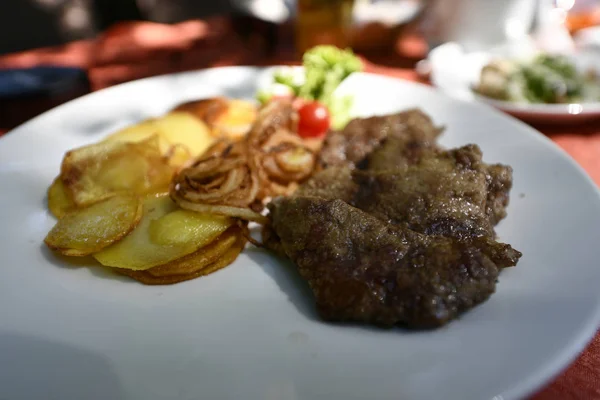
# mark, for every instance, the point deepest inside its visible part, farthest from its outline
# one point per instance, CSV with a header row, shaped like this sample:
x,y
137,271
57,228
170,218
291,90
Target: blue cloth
x,y
43,80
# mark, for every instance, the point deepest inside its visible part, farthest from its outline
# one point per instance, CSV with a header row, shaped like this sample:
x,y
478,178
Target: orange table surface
x,y
136,50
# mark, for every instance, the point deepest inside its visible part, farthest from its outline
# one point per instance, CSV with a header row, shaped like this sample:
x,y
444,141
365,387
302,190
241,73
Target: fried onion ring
x,y
245,214
221,176
235,178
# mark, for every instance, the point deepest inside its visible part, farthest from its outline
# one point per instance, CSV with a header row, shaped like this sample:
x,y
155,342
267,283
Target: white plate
x,y
455,73
250,331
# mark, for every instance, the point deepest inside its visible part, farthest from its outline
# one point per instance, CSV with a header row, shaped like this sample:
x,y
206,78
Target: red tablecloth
x,y
136,50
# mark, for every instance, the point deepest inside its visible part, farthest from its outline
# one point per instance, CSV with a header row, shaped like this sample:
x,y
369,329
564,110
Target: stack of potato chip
x,y
226,118
111,200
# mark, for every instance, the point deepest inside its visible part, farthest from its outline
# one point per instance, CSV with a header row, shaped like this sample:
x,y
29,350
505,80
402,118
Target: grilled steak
x,y
499,179
330,183
452,173
445,193
396,153
352,144
365,270
399,231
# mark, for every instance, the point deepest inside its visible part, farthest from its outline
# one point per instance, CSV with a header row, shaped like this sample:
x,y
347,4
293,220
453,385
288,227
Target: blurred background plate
x,y
390,12
455,72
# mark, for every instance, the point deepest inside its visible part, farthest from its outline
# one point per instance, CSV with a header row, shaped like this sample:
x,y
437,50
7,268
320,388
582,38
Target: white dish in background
x,y
455,73
250,331
364,11
588,37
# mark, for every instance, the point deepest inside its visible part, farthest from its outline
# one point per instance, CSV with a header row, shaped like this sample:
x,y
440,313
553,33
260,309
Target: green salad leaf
x,y
325,68
547,78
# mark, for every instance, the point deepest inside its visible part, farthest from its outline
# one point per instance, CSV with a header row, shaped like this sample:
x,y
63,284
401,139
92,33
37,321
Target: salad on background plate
x,y
544,79
536,86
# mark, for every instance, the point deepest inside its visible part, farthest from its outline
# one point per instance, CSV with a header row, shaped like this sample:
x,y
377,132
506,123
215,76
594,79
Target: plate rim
x,y
538,377
586,109
439,91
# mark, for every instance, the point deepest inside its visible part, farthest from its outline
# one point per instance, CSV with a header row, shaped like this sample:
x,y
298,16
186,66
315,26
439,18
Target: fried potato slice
x,y
140,132
148,279
183,128
231,118
174,129
87,230
182,226
138,251
59,201
178,155
95,172
237,120
206,110
200,259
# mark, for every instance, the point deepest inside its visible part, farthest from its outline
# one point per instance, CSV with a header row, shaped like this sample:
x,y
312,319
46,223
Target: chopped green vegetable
x,y
263,96
548,78
287,80
544,85
560,64
339,108
325,67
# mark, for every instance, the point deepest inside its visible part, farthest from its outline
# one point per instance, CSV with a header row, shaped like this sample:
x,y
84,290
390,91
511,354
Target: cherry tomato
x,y
314,119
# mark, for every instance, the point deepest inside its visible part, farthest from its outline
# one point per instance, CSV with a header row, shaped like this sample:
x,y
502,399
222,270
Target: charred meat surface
x,y
362,269
446,192
394,229
330,183
362,135
499,178
396,153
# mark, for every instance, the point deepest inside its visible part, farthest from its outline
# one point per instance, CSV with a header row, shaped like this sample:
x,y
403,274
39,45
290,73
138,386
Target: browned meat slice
x,y
499,178
396,153
449,193
393,155
364,270
330,183
352,144
395,230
